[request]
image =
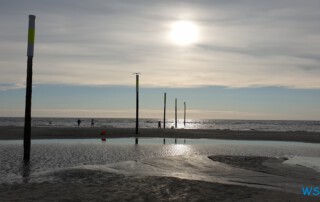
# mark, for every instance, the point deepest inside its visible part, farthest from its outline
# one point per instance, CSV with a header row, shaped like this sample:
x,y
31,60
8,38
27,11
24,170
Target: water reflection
x,y
181,149
25,171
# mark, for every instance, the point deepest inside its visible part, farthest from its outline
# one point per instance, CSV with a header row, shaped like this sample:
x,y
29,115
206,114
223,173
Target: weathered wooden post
x,y
164,114
184,119
27,116
137,106
164,110
176,116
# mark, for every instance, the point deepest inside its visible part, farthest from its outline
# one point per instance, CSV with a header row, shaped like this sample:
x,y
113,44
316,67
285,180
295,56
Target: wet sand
x,y
16,133
99,184
181,178
114,187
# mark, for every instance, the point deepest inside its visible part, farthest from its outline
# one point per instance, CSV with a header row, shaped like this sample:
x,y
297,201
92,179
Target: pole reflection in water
x,y
25,171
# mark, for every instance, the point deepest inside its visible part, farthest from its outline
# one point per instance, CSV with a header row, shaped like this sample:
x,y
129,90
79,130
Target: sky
x,y
252,59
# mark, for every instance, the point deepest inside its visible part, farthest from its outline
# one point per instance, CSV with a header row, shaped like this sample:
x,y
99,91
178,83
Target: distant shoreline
x,y
16,133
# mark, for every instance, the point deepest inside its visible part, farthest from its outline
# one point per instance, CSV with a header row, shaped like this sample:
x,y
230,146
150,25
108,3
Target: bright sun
x,y
184,32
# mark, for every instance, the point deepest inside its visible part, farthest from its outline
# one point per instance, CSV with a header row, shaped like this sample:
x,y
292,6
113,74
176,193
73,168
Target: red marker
x,y
103,133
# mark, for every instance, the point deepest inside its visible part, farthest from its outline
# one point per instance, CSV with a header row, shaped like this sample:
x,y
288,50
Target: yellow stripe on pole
x,y
31,35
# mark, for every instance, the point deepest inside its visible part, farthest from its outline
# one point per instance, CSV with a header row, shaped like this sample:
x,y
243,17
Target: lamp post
x,y
27,116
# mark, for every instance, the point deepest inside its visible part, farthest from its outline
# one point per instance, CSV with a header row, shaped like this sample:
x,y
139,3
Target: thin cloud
x,y
5,87
243,43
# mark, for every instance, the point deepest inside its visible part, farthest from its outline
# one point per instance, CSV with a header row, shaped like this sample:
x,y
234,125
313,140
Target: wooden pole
x,y
164,111
27,116
184,119
137,106
164,115
176,116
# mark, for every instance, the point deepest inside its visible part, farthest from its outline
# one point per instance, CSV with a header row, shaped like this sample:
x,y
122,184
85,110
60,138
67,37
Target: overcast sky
x,y
243,44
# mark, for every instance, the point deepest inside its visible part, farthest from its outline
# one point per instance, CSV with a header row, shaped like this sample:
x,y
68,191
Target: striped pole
x,y
27,116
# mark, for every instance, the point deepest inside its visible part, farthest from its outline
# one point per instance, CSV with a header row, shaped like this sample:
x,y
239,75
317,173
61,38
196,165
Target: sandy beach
x,y
16,133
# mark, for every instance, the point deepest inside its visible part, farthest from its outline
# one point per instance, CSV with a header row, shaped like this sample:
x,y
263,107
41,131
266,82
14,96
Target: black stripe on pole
x,y
27,115
137,106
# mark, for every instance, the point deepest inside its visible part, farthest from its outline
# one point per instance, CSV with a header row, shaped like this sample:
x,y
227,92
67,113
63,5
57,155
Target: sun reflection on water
x,y
181,149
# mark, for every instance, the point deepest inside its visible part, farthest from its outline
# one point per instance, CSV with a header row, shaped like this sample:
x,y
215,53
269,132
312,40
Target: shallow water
x,y
260,125
50,155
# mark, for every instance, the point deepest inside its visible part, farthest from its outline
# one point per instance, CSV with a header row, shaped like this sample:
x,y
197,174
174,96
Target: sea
x,y
242,125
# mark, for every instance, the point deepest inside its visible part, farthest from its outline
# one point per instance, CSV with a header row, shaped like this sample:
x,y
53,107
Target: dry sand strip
x,y
16,133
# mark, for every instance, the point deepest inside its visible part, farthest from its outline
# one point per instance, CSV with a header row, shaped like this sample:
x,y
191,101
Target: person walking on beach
x,y
79,122
159,124
92,123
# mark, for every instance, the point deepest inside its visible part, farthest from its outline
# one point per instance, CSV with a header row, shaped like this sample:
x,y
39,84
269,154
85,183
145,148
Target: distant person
x,y
92,123
79,122
159,124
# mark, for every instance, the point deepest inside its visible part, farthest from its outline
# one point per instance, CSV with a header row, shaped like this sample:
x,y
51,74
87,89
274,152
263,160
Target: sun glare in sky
x,y
184,32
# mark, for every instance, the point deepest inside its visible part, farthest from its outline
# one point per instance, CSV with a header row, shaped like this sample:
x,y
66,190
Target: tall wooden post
x,y
184,117
176,116
164,110
137,106
164,114
27,116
